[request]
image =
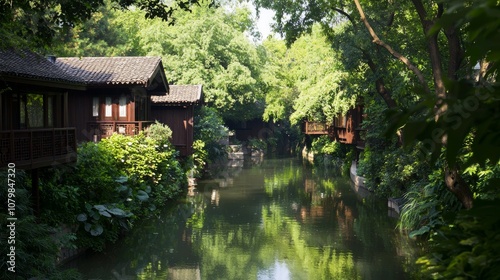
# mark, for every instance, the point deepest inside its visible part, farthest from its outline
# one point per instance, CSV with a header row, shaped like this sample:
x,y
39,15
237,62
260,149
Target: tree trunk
x,y
456,184
453,178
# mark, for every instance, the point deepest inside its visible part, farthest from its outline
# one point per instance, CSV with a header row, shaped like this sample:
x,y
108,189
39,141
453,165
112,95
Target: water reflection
x,y
274,220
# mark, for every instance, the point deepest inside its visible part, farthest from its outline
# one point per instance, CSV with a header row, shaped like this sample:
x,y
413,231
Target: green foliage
x,y
257,144
319,78
328,152
392,172
199,158
325,145
467,246
160,133
424,206
307,81
35,249
36,23
209,128
114,183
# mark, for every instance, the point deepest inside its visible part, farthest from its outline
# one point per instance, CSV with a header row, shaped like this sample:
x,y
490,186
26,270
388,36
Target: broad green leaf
x,y
81,217
420,231
142,195
117,212
96,230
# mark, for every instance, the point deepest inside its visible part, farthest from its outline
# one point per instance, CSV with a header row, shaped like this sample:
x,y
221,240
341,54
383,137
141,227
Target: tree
x,y
34,23
209,47
387,38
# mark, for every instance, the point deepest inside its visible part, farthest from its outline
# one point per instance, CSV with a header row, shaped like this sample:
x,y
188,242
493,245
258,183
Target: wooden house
x,y
35,129
176,110
117,94
344,129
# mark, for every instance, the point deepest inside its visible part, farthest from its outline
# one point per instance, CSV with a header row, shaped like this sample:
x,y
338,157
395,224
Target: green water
x,y
275,219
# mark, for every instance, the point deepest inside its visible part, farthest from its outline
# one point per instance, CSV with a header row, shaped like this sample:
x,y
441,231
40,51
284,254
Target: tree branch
x,y
379,83
394,53
348,16
434,53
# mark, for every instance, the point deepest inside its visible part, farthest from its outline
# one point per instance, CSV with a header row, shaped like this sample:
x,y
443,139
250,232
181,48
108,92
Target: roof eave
x,y
43,82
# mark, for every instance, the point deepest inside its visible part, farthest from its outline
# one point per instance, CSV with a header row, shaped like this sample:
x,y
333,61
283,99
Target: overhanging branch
x,y
394,53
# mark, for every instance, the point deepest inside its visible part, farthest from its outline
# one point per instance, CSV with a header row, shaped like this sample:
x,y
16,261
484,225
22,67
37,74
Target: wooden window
x,y
108,107
32,111
95,107
123,106
341,121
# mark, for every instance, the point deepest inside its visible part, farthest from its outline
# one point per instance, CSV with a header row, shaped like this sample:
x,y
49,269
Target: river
x,y
270,219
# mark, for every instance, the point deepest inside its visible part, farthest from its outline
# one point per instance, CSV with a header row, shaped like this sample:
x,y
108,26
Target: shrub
x,y
468,246
257,144
113,183
209,128
160,133
328,152
36,251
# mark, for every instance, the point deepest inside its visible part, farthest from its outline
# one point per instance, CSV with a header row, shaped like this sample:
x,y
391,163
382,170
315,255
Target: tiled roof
x,y
111,70
33,66
179,94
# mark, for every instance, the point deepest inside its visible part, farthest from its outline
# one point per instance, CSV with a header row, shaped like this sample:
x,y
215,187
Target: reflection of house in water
x,y
215,197
320,205
184,273
345,219
315,209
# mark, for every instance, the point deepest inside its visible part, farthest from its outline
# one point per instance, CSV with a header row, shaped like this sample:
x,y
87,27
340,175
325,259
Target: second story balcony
x,y
104,129
34,148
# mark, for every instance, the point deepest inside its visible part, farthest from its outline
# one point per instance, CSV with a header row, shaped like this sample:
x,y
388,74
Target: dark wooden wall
x,y
80,108
180,121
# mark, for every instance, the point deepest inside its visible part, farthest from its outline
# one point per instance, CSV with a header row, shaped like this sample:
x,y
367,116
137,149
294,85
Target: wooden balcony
x,y
316,128
104,129
34,148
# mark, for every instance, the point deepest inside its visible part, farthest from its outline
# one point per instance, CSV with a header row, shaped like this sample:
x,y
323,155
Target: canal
x,y
270,219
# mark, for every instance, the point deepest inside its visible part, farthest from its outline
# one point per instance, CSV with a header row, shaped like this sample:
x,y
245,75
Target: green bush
x,y
160,133
328,152
199,158
257,144
468,246
113,183
392,171
35,249
209,128
425,206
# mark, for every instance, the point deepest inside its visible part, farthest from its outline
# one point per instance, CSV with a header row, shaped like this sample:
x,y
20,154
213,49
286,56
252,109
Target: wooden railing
x,y
104,129
33,148
316,128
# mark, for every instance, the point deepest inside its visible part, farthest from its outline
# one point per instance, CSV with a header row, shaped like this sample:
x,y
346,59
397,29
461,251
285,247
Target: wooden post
x,y
35,190
65,110
31,146
12,147
2,117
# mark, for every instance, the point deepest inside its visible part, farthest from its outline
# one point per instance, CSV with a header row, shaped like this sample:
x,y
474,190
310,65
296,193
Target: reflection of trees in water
x,y
314,226
290,243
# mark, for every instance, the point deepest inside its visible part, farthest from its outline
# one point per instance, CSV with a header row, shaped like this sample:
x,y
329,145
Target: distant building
x,y
176,110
